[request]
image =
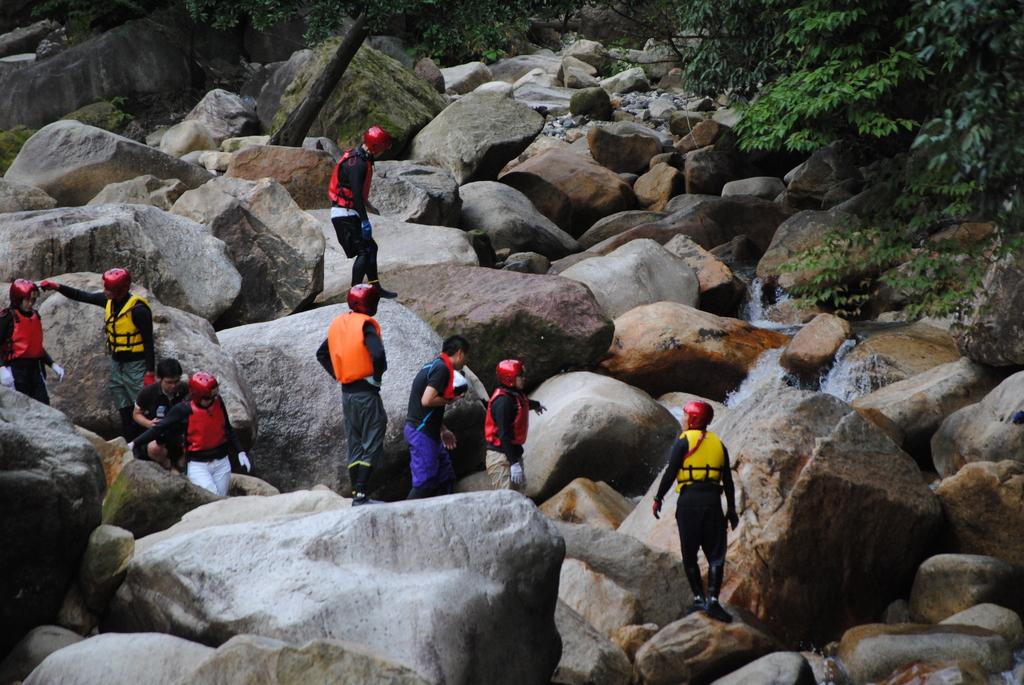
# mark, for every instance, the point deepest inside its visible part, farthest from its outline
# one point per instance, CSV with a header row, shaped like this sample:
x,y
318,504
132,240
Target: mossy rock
x,y
375,89
102,114
10,144
592,102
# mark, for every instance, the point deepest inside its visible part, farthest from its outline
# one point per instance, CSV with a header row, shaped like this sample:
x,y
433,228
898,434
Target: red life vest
x,y
492,432
206,427
27,336
340,189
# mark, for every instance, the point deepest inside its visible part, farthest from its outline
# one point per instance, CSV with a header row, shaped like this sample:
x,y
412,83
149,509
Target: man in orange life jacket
x,y
210,441
699,463
506,425
23,360
349,191
129,330
354,354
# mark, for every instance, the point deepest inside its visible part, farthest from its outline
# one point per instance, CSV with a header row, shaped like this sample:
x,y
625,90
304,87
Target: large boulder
x,y
708,170
595,427
628,81
511,69
764,187
185,137
919,404
305,174
989,335
1001,620
585,501
617,223
592,191
292,454
511,221
599,599
829,177
982,506
32,649
416,193
375,89
146,499
463,78
815,345
659,185
476,136
134,59
622,148
277,248
803,231
225,115
946,584
587,655
669,346
51,486
351,583
143,190
720,289
551,99
550,323
981,431
104,564
25,38
281,74
75,336
897,353
639,273
73,162
20,197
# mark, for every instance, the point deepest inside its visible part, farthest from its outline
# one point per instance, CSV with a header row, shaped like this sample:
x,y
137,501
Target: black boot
x,y
386,294
714,609
697,587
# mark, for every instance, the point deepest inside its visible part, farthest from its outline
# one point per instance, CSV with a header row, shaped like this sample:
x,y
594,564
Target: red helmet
x,y
202,385
508,370
376,140
698,414
363,298
20,290
117,281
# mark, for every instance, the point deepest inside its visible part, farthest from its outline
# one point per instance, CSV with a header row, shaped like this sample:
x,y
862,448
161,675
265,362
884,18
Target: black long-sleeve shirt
x,y
355,169
176,423
675,461
504,410
141,316
380,361
7,331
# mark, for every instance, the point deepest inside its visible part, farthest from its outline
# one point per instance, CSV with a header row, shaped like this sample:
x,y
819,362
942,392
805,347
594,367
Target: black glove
x,y
733,518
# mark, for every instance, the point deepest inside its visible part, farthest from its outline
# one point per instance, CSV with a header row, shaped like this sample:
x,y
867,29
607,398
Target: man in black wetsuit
x,y
699,463
152,405
129,331
23,360
349,192
506,425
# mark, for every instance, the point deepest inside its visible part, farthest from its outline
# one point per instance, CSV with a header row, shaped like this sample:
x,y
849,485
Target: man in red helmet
x,y
349,192
699,463
210,441
353,353
506,425
128,323
23,360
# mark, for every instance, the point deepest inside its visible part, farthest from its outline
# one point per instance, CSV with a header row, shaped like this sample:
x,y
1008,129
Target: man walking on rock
x,y
353,353
699,463
349,193
129,330
506,426
437,385
23,360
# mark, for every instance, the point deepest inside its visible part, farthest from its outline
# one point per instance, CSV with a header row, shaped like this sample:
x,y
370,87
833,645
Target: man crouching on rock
x,y
437,385
506,426
699,463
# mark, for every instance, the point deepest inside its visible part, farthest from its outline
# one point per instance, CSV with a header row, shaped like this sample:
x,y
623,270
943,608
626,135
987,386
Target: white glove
x,y
518,477
243,459
131,446
6,377
59,370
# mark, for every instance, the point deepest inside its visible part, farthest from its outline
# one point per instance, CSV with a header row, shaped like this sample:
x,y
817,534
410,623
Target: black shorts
x,y
349,230
701,523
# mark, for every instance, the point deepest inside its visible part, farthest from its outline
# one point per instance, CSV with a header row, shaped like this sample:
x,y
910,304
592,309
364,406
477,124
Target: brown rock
x,y
900,353
600,600
584,501
705,133
621,151
946,584
659,185
431,73
720,290
708,170
617,223
984,507
815,345
802,231
304,173
668,346
631,638
114,453
592,191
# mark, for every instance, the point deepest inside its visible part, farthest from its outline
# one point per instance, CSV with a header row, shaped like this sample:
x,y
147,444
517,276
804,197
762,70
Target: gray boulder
x,y
830,176
511,69
146,499
73,162
552,100
269,101
627,81
225,115
764,187
476,136
991,617
587,655
483,612
19,197
990,336
947,584
32,649
617,223
464,78
511,221
51,486
186,137
104,564
144,190
25,38
416,193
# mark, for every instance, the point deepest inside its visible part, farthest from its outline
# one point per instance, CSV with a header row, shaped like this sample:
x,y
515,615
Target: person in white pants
x,y
210,441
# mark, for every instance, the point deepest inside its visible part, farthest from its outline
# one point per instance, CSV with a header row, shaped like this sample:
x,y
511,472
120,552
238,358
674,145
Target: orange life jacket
x,y
207,428
346,344
340,189
492,432
27,336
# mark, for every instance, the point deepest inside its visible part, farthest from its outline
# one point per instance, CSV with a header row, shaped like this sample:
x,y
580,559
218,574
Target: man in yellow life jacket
x,y
353,354
128,324
699,464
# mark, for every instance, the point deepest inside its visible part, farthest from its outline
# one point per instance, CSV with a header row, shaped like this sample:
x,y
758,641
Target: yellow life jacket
x,y
122,333
703,465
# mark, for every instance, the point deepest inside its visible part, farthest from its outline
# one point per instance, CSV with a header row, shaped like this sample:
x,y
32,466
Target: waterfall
x,y
767,372
849,380
754,310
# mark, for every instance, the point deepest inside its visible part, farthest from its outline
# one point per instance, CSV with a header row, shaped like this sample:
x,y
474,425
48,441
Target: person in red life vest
x,y
349,193
437,385
210,441
506,425
128,323
353,354
699,464
23,360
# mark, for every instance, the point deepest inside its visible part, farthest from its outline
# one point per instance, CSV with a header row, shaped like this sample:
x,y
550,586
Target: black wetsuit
x,y
29,374
352,174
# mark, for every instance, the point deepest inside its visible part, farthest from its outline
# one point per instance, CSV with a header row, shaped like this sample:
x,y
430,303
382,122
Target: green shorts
x,y
126,381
